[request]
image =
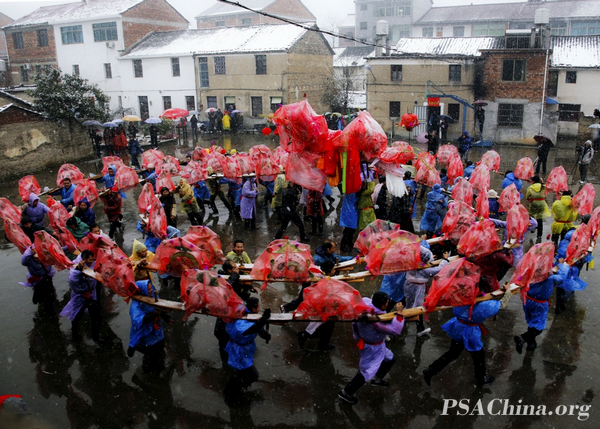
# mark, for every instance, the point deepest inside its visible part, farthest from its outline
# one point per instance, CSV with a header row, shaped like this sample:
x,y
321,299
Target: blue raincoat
x,y
572,282
435,209
466,330
236,192
241,347
88,217
107,179
393,285
413,192
152,242
510,179
327,192
144,332
349,213
66,195
536,313
468,171
201,192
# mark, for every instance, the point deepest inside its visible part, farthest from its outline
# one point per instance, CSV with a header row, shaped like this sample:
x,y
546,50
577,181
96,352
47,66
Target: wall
x,y
28,147
292,9
579,92
415,73
31,52
151,15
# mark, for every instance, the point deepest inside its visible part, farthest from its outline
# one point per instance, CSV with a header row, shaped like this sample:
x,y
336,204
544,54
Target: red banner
x,y
433,101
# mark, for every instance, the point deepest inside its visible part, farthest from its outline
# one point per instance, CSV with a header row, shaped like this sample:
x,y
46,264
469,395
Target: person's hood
x,y
537,187
113,168
436,188
466,133
138,246
426,255
369,302
85,200
511,176
566,200
321,251
569,234
142,285
33,198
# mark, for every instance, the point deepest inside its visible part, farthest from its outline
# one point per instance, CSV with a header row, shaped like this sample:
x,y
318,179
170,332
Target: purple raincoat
x,y
82,289
248,204
35,269
373,335
37,213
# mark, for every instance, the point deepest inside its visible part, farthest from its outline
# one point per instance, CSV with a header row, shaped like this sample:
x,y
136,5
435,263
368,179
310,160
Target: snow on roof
x,y
575,51
455,46
227,9
73,12
510,11
258,38
357,99
353,56
8,106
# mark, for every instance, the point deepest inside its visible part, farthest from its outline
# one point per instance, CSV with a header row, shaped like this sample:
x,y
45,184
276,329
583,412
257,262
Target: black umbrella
x,y
448,118
480,103
541,139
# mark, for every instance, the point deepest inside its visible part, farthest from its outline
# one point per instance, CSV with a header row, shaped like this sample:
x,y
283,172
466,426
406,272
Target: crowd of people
x,y
302,207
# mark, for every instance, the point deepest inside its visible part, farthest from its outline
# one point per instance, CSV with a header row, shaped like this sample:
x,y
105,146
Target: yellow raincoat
x,y
138,272
563,214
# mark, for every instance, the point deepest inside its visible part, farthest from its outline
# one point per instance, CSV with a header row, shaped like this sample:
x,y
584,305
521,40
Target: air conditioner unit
x,y
27,66
110,45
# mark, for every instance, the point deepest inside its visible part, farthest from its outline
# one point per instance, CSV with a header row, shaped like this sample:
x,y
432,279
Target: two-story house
x,y
256,70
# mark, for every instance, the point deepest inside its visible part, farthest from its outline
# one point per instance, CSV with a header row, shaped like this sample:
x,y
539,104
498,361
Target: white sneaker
x,y
424,332
581,182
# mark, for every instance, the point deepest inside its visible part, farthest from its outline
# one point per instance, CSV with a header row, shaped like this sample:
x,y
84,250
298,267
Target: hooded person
x,y
150,176
376,360
112,208
538,208
35,210
109,178
146,335
563,215
465,330
189,205
349,221
248,203
435,211
30,228
416,283
170,205
536,307
468,170
326,253
85,213
586,154
83,296
571,283
365,206
278,188
77,228
141,257
510,179
39,277
464,145
242,346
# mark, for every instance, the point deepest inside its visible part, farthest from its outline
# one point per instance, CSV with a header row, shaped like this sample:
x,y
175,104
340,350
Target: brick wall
x,y
31,52
157,14
14,115
290,8
530,89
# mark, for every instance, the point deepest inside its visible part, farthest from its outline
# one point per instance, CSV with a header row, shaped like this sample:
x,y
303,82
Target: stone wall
x,y
28,147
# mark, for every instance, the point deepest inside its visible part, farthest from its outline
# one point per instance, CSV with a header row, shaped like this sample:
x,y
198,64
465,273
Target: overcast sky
x,y
328,12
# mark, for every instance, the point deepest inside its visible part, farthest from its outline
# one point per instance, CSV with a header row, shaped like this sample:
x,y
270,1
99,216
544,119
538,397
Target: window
x,y
72,34
396,73
427,31
585,28
552,83
521,41
513,70
392,8
363,25
24,74
439,32
107,70
18,40
458,31
220,65
363,7
203,72
166,102
394,109
488,29
571,77
42,36
105,31
229,102
76,69
454,111
569,112
558,28
275,103
38,69
510,115
138,70
398,31
143,102
220,24
175,67
257,108
247,21
260,62
454,73
211,102
190,102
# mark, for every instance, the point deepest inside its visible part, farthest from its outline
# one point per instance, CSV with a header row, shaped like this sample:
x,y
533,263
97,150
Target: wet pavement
x,y
85,386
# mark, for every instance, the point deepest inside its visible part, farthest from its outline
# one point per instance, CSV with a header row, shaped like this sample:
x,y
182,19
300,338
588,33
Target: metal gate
x,y
421,112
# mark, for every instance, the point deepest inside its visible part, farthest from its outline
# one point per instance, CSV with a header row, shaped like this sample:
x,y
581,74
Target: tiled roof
x,y
454,46
575,51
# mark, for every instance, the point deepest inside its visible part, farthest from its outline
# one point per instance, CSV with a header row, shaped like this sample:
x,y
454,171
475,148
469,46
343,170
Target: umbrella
x,y
421,138
175,113
448,118
594,126
541,139
109,125
237,111
118,121
91,123
194,112
153,121
210,109
480,102
132,118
